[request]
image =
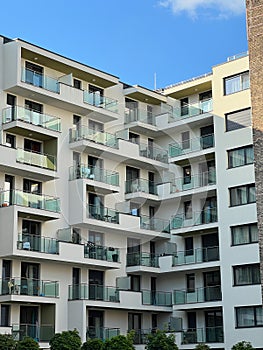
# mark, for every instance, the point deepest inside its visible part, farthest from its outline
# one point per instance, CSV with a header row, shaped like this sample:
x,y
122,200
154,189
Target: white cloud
x,y
222,7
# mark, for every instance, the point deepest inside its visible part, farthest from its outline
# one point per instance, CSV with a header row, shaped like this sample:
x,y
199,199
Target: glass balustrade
x,y
154,224
206,216
102,333
196,256
93,292
191,110
102,213
99,137
193,181
42,333
192,145
153,152
199,295
142,259
139,115
157,298
97,100
203,335
140,185
40,160
39,80
83,171
37,243
99,252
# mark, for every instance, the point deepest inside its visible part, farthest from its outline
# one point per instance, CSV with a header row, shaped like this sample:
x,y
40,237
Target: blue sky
x,y
133,39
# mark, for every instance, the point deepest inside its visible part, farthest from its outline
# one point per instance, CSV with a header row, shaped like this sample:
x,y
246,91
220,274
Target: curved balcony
x,y
199,295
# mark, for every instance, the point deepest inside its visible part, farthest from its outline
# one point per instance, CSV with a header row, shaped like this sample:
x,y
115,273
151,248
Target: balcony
x,y
95,99
191,110
102,333
204,217
29,287
199,255
194,181
39,80
29,117
40,160
154,224
93,292
102,214
141,336
157,298
30,200
142,259
98,252
203,335
140,185
37,243
139,115
153,152
199,295
43,333
94,173
180,149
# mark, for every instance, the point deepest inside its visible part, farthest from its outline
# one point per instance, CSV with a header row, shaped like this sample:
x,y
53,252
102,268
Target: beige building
x,y
124,208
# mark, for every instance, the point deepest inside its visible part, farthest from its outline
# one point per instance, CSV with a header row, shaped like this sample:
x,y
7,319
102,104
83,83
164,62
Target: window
x,y
77,83
236,83
184,106
244,234
189,246
246,274
188,210
242,195
240,156
250,316
10,140
190,283
134,138
185,139
238,119
5,315
34,74
187,174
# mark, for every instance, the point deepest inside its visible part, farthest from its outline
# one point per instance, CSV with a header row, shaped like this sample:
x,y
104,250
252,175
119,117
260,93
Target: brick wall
x,y
255,42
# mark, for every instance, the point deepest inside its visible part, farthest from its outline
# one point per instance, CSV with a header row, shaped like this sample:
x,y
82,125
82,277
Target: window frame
x,y
254,308
251,274
246,162
247,187
250,241
241,83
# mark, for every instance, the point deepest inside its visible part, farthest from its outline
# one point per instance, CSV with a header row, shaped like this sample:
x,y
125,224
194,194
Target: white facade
x,y
119,205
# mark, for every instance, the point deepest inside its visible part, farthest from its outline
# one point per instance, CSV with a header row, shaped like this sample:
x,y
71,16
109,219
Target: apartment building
x,y
125,208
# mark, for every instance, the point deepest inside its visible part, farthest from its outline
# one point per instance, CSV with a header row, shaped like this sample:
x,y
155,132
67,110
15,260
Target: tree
x,y
242,345
7,342
93,344
67,340
160,341
120,342
202,346
27,344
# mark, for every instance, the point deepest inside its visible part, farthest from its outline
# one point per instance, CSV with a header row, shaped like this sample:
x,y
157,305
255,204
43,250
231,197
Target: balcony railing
x,y
37,159
139,115
29,116
142,259
100,137
31,200
191,145
29,286
192,110
196,256
94,173
206,216
194,181
42,333
203,335
102,213
153,152
141,336
97,100
37,243
199,295
157,298
99,252
155,224
93,292
102,333
40,80
140,185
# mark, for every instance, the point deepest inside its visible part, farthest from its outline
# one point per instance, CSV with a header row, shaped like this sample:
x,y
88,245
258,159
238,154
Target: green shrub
x,y
93,344
120,342
7,342
160,341
242,345
67,340
202,346
27,344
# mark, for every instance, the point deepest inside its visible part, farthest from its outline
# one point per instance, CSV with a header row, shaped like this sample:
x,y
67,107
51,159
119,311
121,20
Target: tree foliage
x,y
93,344
202,346
120,342
160,341
242,345
7,342
67,340
27,344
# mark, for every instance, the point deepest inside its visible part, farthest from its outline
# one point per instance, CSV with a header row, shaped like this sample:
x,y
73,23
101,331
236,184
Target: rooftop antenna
x,y
154,81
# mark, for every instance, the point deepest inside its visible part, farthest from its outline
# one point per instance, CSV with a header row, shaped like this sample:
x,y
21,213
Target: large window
x,y
246,274
238,119
242,195
236,83
251,316
240,156
244,234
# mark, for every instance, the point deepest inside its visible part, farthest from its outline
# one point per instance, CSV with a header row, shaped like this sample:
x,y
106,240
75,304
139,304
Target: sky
x,y
141,41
